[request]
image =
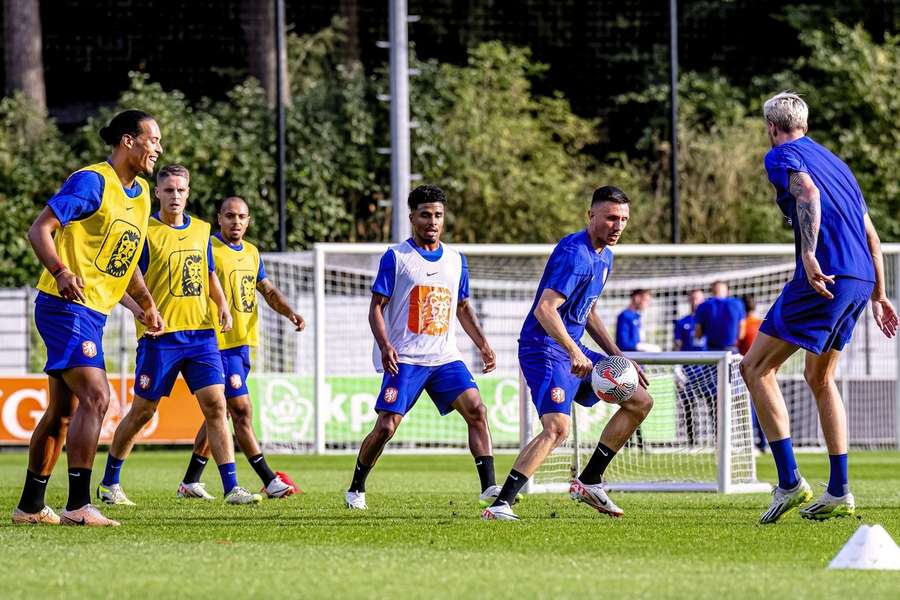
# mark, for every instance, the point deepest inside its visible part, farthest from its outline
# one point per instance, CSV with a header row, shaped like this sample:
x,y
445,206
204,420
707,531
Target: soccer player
x,y
839,269
557,366
720,319
87,238
179,269
241,272
685,340
421,284
629,329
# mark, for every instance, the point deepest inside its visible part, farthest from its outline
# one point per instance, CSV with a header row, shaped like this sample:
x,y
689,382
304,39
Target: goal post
x,y
698,437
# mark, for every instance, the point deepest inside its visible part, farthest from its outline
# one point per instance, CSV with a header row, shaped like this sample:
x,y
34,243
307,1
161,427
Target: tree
x,y
258,21
24,59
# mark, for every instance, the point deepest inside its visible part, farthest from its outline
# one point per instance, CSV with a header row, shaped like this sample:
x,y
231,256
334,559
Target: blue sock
x,y
113,469
229,476
783,453
838,483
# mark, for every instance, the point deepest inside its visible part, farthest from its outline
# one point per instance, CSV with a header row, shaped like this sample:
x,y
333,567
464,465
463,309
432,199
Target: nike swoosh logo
x,y
513,477
602,452
479,463
431,274
70,520
257,460
41,480
74,474
181,239
129,207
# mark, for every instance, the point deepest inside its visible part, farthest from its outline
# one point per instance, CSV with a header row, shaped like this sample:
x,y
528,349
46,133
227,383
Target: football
x,y
614,379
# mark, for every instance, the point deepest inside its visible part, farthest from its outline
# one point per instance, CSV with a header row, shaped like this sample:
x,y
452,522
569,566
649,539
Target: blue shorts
x,y
158,365
548,372
801,316
444,384
72,333
236,364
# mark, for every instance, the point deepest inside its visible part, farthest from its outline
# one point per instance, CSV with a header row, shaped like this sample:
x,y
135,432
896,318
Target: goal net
x,y
697,437
315,391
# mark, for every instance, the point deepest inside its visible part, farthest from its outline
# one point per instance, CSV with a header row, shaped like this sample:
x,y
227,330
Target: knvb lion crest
x,y
192,275
235,381
144,381
558,395
248,293
390,395
89,349
430,310
119,249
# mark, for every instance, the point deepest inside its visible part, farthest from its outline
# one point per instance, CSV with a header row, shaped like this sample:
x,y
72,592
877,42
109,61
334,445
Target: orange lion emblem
x,y
429,310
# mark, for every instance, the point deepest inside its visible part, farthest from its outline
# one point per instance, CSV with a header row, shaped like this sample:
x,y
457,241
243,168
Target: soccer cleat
x,y
829,507
44,516
194,490
489,496
277,489
113,495
594,496
239,495
286,478
501,512
786,500
87,515
356,500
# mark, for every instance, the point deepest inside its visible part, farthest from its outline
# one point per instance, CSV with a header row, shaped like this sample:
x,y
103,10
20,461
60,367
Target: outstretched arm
x,y
218,296
277,301
597,330
882,309
469,321
809,218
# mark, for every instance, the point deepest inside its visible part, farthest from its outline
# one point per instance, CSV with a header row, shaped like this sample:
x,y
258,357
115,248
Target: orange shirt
x,y
751,328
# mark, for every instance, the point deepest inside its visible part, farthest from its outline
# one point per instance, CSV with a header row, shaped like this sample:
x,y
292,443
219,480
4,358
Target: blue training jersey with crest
x,y
578,272
842,247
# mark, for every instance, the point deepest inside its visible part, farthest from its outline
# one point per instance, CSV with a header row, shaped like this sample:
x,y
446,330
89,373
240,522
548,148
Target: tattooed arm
x,y
809,217
279,303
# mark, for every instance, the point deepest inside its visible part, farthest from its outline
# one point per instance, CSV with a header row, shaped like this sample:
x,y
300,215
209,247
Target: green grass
x,y
422,538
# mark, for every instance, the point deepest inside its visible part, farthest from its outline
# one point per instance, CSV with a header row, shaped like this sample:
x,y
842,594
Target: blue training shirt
x,y
80,196
628,330
387,271
578,272
842,247
684,331
720,319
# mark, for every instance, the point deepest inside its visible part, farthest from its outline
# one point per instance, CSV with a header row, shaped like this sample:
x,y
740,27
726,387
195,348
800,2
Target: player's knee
x,y
642,403
751,369
477,414
385,429
241,415
817,379
556,432
95,400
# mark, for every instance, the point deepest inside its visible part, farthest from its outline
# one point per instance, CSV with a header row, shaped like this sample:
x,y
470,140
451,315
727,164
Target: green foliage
x,y
33,163
854,97
512,163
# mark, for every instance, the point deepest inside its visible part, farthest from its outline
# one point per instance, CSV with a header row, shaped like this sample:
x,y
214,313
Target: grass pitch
x,y
422,537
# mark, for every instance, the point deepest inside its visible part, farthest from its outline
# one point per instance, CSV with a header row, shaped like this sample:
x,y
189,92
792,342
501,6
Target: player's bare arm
x,y
277,301
547,314
469,321
809,217
40,236
598,332
389,359
882,309
218,296
147,312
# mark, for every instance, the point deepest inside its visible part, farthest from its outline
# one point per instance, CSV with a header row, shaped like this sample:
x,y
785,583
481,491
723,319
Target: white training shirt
x,y
420,316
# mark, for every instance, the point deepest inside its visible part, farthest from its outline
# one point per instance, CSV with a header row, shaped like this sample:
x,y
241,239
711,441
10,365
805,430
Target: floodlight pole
x,y
673,118
279,125
400,154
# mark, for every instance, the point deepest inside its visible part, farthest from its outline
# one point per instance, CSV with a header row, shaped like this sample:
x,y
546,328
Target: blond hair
x,y
787,111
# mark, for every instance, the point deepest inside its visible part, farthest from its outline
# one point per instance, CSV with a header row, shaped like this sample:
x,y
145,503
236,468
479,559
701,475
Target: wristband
x,y
58,270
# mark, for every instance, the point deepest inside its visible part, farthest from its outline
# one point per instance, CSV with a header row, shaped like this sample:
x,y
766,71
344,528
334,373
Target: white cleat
x,y
594,496
829,507
278,489
113,495
45,516
194,490
88,516
356,500
501,512
784,501
489,496
239,495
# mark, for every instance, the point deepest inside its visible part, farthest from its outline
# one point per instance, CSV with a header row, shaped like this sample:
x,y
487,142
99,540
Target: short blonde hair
x,y
787,111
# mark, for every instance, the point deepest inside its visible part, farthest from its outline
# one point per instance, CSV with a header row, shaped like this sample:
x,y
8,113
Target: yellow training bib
x,y
238,271
178,275
103,249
